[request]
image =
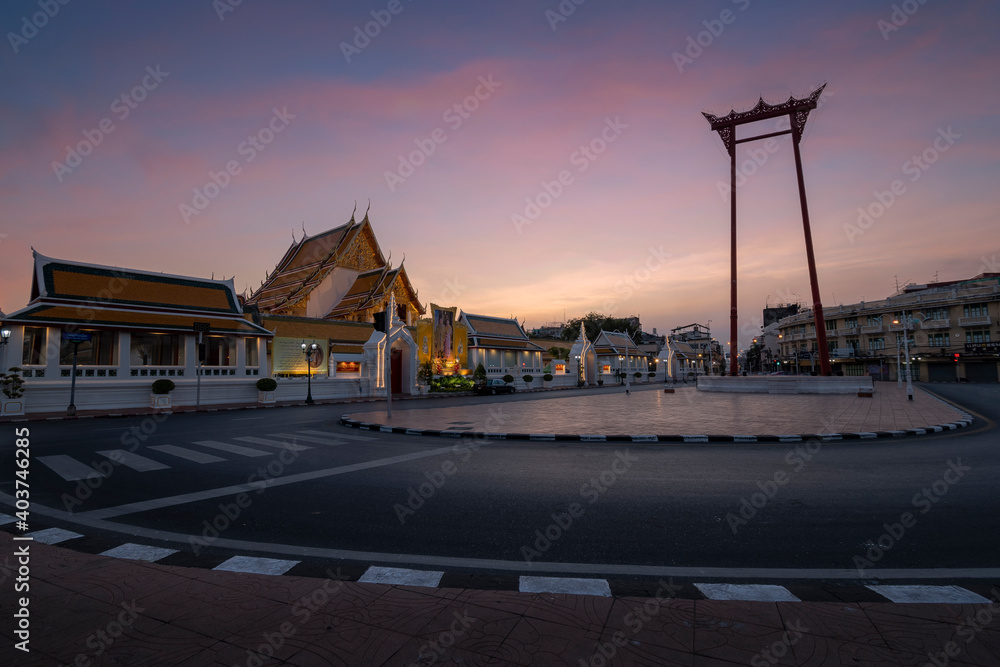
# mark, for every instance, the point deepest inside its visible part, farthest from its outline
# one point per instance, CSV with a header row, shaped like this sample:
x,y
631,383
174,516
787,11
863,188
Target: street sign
x,y
202,327
76,337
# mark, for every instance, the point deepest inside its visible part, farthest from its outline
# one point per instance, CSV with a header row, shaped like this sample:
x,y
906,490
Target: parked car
x,y
495,386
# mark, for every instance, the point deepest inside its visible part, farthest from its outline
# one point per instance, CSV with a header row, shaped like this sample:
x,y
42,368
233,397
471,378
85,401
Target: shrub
x,y
426,373
266,384
652,375
11,383
638,375
451,383
479,375
527,379
547,377
508,378
163,386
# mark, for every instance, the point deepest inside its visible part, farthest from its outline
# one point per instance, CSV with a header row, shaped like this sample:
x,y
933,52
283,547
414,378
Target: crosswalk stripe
x,y
309,438
189,454
132,460
253,565
935,594
232,449
567,585
398,576
345,436
5,519
139,552
753,592
280,444
53,535
68,468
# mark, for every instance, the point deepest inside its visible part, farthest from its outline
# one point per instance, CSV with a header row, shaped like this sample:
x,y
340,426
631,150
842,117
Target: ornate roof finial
x,y
355,210
369,207
304,235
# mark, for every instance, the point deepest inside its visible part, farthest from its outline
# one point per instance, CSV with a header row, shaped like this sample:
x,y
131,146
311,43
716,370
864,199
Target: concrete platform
x,y
786,384
647,414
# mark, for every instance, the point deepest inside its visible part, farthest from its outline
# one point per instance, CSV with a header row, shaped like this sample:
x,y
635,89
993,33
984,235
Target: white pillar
x,y
124,354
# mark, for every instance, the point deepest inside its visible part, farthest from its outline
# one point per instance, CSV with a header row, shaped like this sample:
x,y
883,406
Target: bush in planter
x,y
547,377
11,383
527,379
426,373
266,384
163,386
652,375
508,378
638,375
451,383
479,375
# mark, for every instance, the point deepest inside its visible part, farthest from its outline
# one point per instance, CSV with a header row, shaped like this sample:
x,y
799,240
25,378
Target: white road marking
x,y
139,552
68,468
280,444
936,594
756,592
189,454
232,449
345,436
5,519
256,565
331,441
567,585
133,461
398,576
53,535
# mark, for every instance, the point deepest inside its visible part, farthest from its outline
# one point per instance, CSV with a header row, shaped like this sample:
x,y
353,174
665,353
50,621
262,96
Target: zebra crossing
x,y
202,452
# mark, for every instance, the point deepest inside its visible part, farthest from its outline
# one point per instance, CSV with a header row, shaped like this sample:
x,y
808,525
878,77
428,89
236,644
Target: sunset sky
x,y
311,115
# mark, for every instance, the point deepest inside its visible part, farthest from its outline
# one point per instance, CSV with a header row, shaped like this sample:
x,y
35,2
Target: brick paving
x,y
648,410
95,610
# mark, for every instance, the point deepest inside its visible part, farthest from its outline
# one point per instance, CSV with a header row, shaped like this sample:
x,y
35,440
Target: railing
x,y
156,371
872,328
89,371
974,321
936,324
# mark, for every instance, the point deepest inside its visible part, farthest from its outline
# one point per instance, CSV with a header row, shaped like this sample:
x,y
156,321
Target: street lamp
x,y
4,339
906,351
309,351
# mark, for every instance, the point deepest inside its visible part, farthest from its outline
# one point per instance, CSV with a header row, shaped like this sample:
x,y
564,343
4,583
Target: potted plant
x,y
637,375
651,375
508,379
265,390
547,380
12,386
425,374
527,381
161,393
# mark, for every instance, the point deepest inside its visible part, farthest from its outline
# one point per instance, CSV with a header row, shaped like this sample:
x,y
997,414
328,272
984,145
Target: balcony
x,y
983,321
898,328
873,329
936,324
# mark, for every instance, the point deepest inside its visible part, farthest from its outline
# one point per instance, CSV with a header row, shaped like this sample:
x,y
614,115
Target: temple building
x,y
501,345
326,290
126,327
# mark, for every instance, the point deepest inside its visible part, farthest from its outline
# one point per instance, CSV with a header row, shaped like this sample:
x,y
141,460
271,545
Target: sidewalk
x,y
95,610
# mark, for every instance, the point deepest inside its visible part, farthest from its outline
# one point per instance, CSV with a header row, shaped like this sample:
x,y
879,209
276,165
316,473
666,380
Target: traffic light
x,y
380,321
957,357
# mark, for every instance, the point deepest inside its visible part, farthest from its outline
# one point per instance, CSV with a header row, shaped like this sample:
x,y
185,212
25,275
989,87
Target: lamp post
x,y
711,360
906,351
309,351
5,334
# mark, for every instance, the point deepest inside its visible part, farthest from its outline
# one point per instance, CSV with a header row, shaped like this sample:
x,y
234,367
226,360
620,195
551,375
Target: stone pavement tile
x,y
911,634
538,642
453,638
711,613
402,609
576,611
815,651
344,644
739,642
618,650
835,620
200,605
646,621
113,580
938,613
510,602
469,621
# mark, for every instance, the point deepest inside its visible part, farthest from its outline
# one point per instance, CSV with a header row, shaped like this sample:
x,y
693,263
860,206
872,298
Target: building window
x,y
155,350
978,336
220,351
831,346
831,325
975,310
937,340
100,350
851,323
937,314
252,357
33,351
876,343
348,367
854,344
874,320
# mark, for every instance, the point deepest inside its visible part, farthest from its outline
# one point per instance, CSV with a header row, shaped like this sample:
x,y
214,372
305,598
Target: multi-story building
x,y
951,330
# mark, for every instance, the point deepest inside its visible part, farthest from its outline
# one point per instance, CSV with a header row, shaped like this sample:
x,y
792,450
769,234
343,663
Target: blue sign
x,y
73,337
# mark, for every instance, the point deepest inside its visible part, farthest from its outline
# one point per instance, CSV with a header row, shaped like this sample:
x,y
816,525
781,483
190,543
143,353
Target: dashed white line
x,y
755,592
253,565
567,585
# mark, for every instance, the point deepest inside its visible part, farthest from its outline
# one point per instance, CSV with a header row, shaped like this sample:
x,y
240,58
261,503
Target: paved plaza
x,y
97,610
648,410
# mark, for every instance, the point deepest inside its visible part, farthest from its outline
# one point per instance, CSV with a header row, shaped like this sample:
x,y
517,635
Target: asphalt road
x,y
925,502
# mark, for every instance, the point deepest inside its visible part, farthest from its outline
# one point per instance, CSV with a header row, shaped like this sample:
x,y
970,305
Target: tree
x,y
479,375
594,322
558,352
